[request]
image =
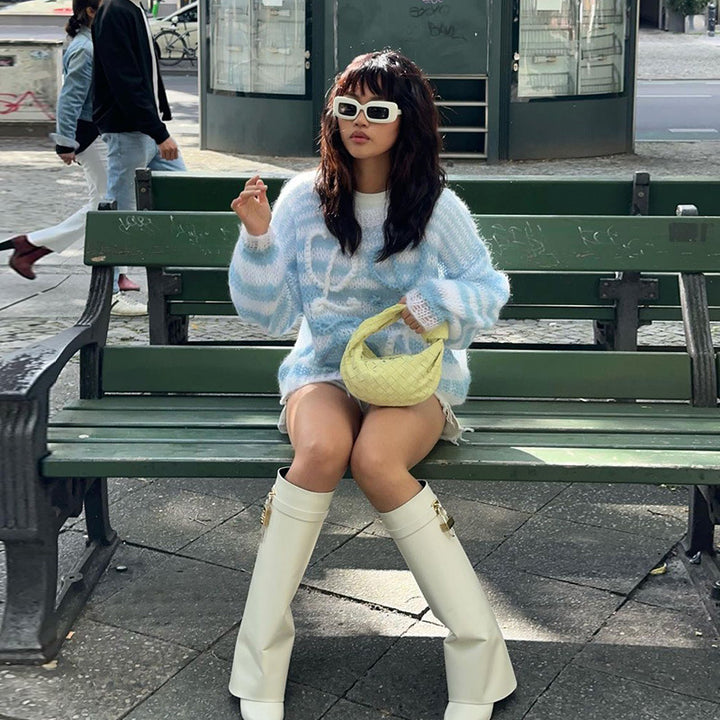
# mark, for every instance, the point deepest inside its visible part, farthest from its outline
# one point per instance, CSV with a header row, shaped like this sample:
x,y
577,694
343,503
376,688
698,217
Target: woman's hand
x,y
252,206
409,319
67,158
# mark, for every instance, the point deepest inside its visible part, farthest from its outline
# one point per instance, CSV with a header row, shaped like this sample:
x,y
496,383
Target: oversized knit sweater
x,y
298,269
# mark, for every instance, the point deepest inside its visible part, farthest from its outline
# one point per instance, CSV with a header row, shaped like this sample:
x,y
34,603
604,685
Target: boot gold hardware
x,y
447,521
267,509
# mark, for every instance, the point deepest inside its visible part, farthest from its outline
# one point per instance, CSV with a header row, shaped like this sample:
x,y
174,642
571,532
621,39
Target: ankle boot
x,y
477,664
291,524
25,255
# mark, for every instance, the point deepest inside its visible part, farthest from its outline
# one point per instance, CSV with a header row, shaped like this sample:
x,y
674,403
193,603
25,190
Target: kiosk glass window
x,y
258,46
570,47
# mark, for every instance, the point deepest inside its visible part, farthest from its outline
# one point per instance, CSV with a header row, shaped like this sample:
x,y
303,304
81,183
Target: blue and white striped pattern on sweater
x,y
297,269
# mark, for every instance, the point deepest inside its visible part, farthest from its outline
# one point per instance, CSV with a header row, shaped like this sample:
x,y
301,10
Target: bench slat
x,y
496,373
517,243
533,195
574,420
468,462
471,408
183,435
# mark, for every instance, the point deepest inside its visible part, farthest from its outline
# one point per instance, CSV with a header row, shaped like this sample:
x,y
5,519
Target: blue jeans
x,y
126,152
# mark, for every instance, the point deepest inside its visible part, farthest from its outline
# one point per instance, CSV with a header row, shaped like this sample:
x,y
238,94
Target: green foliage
x,y
687,7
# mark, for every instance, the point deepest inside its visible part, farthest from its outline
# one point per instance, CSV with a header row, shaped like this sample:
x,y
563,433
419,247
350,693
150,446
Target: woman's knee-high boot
x,y
292,520
477,664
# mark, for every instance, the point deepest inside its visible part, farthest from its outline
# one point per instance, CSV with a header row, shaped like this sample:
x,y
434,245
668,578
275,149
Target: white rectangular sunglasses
x,y
376,111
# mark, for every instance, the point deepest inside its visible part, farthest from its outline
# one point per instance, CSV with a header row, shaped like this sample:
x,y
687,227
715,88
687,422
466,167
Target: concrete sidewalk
x,y
591,632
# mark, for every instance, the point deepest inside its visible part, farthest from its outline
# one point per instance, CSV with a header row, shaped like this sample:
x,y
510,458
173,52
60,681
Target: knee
x,y
369,465
319,463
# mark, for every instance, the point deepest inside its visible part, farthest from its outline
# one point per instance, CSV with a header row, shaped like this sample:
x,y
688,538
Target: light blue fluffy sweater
x,y
297,269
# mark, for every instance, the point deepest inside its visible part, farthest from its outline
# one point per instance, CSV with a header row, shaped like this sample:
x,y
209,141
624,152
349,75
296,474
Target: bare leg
x,y
391,441
323,423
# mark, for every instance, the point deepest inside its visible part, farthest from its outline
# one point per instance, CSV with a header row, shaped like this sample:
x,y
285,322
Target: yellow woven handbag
x,y
395,380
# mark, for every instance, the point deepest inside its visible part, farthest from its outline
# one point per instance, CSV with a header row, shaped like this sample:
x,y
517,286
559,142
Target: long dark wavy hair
x,y
80,16
416,178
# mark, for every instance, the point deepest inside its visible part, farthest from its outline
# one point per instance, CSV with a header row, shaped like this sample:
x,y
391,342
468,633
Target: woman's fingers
x,y
410,321
259,192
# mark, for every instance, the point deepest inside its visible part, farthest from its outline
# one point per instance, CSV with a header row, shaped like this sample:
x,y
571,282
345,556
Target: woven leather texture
x,y
395,380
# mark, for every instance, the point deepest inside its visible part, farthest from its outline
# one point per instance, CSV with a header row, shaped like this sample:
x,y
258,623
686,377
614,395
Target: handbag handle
x,y
391,314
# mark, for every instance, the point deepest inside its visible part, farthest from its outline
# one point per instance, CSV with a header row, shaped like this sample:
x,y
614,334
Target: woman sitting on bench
x,y
374,225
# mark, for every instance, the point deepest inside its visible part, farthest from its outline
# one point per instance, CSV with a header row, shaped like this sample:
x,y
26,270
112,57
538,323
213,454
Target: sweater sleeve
x,y
263,277
74,92
470,292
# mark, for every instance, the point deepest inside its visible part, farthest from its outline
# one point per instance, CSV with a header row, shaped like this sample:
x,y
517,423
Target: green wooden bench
x,y
617,304
209,411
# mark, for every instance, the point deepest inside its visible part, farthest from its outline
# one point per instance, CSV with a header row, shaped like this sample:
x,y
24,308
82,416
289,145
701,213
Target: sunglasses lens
x,y
347,109
377,112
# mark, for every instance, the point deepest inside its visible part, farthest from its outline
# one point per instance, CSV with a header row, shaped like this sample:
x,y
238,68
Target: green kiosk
x,y
516,79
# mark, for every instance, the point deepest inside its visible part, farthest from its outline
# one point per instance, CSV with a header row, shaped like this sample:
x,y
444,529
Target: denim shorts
x,y
452,432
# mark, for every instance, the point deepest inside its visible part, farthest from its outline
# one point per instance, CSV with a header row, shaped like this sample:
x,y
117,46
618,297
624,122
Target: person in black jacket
x,y
129,103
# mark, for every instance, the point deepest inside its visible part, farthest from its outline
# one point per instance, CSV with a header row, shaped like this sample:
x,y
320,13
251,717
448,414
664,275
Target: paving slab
x,y
533,608
337,640
350,507
583,554
370,568
662,647
169,518
128,563
49,285
183,601
245,490
409,680
344,710
582,693
526,497
117,489
672,589
235,543
659,511
200,691
536,666
101,673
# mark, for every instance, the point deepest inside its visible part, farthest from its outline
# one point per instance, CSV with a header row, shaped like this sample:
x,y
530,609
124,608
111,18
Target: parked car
x,y
182,22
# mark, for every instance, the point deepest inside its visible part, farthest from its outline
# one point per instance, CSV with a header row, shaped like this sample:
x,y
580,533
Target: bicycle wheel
x,y
172,47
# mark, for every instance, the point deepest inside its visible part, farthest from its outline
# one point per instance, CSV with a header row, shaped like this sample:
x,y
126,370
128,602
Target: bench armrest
x,y
31,372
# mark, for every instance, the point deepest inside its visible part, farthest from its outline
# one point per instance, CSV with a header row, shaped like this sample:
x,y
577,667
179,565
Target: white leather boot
x,y
291,524
477,664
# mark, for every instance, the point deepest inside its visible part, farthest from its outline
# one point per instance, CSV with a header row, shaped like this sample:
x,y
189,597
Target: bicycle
x,y
174,47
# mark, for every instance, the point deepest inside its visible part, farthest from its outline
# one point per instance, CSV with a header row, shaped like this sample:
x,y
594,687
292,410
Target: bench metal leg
x,y
34,628
701,521
35,622
97,515
28,633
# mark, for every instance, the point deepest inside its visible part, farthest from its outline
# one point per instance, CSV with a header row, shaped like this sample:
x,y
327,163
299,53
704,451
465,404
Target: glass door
x,y
259,46
570,47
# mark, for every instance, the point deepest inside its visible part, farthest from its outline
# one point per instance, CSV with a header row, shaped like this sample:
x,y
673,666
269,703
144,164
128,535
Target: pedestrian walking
x,y
129,103
77,141
374,226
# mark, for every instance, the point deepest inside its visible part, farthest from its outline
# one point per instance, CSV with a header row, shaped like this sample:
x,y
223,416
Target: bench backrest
x,y
517,243
495,373
529,195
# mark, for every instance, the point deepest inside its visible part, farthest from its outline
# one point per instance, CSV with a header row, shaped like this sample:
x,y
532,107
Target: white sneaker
x,y
121,304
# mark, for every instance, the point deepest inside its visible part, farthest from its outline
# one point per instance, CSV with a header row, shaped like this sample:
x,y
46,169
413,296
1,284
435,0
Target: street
x,y
678,110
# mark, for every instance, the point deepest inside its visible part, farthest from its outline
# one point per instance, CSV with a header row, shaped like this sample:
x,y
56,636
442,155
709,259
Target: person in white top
x,y
129,102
